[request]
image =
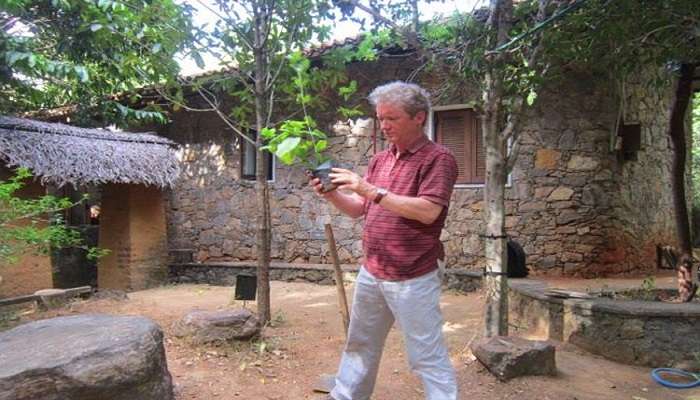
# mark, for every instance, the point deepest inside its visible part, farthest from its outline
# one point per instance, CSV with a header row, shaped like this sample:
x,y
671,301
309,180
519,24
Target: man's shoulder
x,y
382,154
436,150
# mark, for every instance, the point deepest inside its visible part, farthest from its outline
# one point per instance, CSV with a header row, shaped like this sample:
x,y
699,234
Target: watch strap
x,y
381,192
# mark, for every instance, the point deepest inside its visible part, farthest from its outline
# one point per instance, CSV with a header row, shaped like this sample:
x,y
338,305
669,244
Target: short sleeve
x,y
438,179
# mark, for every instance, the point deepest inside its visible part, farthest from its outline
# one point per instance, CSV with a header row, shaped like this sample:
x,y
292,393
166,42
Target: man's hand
x,y
348,180
316,185
348,203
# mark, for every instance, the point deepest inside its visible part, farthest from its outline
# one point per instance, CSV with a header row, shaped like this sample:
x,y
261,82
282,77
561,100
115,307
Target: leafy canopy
x,y
86,52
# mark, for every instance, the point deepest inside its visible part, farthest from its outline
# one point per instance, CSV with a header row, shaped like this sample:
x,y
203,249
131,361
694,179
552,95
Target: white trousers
x,y
415,305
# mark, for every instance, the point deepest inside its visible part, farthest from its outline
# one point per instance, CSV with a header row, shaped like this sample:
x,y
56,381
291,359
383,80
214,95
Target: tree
x,y
83,54
259,42
80,54
509,77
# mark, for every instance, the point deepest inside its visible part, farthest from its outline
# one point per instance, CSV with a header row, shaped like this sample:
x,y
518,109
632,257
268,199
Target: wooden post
x,y
342,300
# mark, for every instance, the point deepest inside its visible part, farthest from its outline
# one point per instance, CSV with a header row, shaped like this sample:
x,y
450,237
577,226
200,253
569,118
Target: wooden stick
x,y
342,299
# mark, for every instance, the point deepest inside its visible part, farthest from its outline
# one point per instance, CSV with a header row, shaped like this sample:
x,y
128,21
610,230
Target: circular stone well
x,y
647,333
92,356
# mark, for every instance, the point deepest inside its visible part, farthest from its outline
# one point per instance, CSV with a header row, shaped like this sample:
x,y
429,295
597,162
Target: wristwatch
x,y
381,192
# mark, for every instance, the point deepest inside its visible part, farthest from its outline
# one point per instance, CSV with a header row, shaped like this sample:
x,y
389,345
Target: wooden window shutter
x,y
479,152
458,130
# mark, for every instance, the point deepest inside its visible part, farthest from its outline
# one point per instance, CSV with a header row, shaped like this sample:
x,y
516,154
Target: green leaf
x,y
321,145
285,151
82,73
531,97
267,133
13,56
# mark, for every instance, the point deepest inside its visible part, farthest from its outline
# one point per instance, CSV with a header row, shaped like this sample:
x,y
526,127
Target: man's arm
x,y
415,208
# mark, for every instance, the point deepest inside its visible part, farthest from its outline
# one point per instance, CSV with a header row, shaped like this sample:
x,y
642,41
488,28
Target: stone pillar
x,y
132,227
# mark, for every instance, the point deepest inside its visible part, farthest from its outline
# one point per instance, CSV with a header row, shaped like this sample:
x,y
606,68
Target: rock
x,y
217,326
560,194
581,163
84,357
543,192
547,159
51,298
567,216
508,357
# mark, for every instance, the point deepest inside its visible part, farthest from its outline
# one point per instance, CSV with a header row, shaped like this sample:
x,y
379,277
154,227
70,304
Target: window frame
x,y
243,147
430,128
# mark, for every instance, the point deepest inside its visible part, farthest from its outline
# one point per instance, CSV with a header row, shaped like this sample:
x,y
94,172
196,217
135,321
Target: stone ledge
x,y
273,265
651,334
224,274
536,289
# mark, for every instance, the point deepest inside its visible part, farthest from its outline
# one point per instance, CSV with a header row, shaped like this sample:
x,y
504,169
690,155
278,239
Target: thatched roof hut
x,y
61,154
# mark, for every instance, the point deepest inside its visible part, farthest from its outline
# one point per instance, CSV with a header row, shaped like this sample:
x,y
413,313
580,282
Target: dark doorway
x,y
70,266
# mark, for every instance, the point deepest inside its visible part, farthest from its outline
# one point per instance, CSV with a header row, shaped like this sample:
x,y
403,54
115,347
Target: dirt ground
x,y
306,339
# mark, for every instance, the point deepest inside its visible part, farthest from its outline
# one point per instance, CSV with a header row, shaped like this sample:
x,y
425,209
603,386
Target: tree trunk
x,y
263,238
679,111
495,279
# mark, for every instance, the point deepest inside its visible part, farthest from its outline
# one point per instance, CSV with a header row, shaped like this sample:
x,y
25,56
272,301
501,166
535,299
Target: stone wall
x,y
649,333
574,205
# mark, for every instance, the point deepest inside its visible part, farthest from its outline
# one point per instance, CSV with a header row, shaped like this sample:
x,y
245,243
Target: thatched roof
x,y
61,154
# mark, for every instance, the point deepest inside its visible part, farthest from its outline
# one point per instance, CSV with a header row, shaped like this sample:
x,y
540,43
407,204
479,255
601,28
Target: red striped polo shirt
x,y
398,248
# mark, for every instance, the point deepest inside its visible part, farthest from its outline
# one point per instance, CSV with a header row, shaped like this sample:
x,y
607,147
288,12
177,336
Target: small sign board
x,y
246,286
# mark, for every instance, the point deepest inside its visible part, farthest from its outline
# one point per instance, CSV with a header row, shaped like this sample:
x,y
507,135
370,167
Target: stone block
x,y
85,357
567,216
508,357
582,163
543,192
51,298
217,326
547,159
560,194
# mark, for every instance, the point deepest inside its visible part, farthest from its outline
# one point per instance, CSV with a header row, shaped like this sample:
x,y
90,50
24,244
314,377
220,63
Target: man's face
x,y
397,124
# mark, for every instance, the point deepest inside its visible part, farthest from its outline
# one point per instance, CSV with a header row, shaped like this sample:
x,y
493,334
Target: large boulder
x,y
508,357
218,326
84,357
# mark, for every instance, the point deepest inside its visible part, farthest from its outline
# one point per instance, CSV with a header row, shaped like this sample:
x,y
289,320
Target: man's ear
x,y
420,117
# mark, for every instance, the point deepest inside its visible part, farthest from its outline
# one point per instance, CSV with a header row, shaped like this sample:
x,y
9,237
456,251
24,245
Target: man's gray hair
x,y
411,97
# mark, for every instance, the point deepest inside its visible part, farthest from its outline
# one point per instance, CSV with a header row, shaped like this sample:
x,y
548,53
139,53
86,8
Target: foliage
x,y
297,141
34,224
87,53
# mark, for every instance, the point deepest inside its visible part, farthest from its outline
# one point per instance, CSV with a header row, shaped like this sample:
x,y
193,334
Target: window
x,y
459,131
249,157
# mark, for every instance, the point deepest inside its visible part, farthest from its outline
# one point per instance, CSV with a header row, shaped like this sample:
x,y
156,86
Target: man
x,y
404,198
